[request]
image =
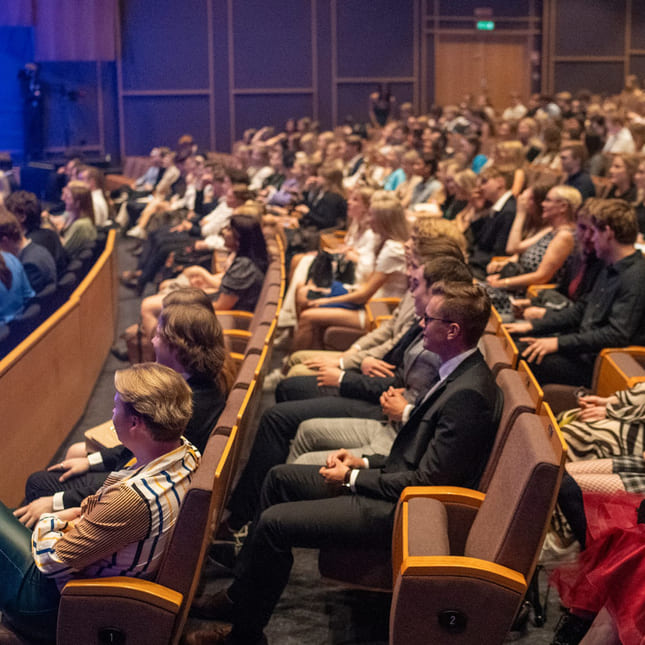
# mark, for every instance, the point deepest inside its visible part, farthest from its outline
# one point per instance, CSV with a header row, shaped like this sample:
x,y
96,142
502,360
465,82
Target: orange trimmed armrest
x,y
445,494
450,565
533,289
386,301
239,313
380,320
125,587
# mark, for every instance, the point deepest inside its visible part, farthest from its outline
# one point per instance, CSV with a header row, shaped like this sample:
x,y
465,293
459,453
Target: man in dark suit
x,y
349,501
491,231
359,396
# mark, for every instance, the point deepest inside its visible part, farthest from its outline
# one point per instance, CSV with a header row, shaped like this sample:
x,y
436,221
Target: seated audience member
x,y
429,188
36,260
15,290
619,138
189,339
183,239
611,315
639,205
354,161
357,248
122,528
579,274
543,255
490,231
388,278
341,394
549,156
95,181
572,160
446,441
26,207
509,155
621,172
240,285
396,394
151,177
452,204
409,164
366,353
78,228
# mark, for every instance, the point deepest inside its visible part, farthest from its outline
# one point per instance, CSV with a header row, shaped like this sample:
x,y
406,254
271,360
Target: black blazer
x,y
446,441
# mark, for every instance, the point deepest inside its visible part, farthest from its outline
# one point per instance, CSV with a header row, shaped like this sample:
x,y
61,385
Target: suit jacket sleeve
x,y
367,388
464,430
381,340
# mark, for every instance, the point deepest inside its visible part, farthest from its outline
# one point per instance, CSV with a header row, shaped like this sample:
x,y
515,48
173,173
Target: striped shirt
x,y
124,527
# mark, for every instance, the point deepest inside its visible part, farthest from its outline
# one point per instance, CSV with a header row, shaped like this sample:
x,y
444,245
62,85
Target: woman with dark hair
x,y
26,207
238,287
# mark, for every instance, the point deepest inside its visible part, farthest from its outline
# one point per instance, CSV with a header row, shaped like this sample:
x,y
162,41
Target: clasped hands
x,y
338,464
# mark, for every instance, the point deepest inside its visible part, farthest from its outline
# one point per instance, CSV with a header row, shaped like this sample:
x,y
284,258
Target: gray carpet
x,y
310,611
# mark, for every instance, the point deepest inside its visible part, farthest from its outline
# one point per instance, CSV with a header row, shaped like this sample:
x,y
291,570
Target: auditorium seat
x,y
463,582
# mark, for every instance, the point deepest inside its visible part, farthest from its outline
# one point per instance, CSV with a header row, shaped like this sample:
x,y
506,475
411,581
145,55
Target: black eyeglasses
x,y
428,319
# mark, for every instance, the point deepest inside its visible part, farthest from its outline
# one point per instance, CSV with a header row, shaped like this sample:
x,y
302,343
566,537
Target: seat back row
x,y
142,611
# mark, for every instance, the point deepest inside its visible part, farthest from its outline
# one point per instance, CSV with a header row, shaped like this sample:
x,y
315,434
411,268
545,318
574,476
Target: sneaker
x,y
554,551
137,232
272,380
570,629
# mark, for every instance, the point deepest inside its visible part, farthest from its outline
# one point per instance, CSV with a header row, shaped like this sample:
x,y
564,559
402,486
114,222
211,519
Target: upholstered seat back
x,y
508,527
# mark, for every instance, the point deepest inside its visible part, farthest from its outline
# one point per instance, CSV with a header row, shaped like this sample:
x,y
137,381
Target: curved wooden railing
x,y
47,380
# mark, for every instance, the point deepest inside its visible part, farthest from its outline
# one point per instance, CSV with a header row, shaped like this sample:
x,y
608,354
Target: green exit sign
x,y
485,25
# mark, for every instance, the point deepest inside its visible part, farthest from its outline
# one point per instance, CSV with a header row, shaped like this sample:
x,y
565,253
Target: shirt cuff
x,y
407,411
96,461
341,364
57,501
352,479
340,378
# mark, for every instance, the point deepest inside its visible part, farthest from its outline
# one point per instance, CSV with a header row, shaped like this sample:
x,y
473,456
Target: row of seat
x,y
154,612
51,298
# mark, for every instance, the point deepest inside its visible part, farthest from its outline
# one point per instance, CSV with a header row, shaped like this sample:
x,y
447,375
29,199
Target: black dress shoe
x,y
119,353
220,635
571,629
217,606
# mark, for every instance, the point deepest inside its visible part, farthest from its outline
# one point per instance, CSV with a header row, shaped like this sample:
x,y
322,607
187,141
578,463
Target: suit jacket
x,y
491,234
446,441
382,339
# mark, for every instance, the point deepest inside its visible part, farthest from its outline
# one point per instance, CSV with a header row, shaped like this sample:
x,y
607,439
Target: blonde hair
x,y
570,195
510,153
389,216
157,394
427,227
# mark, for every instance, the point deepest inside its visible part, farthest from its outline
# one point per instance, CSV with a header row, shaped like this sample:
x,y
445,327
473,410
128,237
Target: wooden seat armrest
x,y
386,301
533,289
125,587
379,320
440,565
445,494
239,333
235,312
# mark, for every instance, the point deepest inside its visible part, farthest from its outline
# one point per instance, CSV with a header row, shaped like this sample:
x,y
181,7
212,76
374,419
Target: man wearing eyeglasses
x,y
350,500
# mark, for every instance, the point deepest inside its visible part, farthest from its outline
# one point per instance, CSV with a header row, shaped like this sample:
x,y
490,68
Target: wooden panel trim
x,y
273,90
334,63
231,69
314,59
177,92
350,80
588,59
119,82
212,119
99,101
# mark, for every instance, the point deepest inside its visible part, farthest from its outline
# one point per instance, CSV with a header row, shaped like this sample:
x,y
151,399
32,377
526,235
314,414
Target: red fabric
x,y
611,570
